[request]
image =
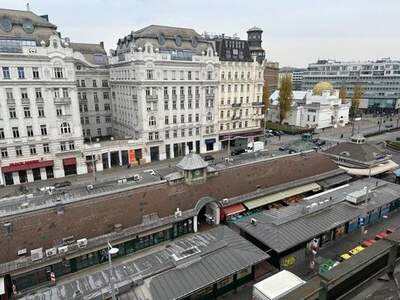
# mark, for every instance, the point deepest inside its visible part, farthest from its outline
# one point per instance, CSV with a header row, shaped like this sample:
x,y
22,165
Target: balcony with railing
x,y
236,104
10,101
257,104
151,97
62,100
40,100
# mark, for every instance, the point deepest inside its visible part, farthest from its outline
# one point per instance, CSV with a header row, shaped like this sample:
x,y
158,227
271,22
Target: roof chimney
x,y
102,44
27,7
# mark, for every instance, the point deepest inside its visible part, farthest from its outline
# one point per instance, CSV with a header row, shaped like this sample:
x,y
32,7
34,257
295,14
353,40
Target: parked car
x,y
237,151
356,250
345,256
62,184
368,243
319,142
283,147
383,234
208,157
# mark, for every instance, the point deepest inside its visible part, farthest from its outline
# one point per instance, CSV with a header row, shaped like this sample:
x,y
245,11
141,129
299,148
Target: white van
x,y
258,146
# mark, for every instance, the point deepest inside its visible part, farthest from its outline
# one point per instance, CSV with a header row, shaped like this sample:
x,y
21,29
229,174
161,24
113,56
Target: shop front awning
x,y
233,209
379,169
27,165
69,161
251,204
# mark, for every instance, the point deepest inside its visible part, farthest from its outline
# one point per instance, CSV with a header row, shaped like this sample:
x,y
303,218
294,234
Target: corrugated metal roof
x,y
281,231
181,281
281,195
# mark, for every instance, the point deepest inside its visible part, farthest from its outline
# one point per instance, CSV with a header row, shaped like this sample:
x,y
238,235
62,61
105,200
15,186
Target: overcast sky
x,y
296,32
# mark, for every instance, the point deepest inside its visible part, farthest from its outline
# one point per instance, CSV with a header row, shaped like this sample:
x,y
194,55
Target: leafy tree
x,y
285,97
343,92
358,94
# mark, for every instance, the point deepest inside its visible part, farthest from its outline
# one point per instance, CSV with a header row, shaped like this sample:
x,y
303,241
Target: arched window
x,y
65,128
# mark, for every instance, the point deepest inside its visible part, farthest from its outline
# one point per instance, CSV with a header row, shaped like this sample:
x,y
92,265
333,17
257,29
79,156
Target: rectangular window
x,y
18,151
107,107
167,134
65,93
166,121
27,112
197,130
59,112
63,146
4,153
13,113
94,82
46,148
24,93
182,132
58,72
2,134
190,131
95,97
96,107
104,83
189,75
43,129
35,73
209,75
182,118
165,75
72,144
15,132
83,83
149,74
108,119
175,133
166,105
9,94
38,93
106,95
6,73
197,118
174,119
32,149
21,72
29,131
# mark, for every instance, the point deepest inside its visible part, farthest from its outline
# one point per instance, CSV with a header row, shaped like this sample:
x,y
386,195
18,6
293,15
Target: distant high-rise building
x,y
295,73
380,80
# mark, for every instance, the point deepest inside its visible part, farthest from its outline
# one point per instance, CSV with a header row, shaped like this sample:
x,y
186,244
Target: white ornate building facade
x,y
317,108
164,85
92,80
240,88
40,130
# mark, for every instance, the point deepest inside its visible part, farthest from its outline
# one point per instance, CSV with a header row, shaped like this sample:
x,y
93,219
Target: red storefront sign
x,y
27,165
69,161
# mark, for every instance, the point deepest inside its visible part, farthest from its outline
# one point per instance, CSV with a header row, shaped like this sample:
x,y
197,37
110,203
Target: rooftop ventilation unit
x,y
253,221
82,243
225,201
22,252
51,252
178,213
63,249
36,254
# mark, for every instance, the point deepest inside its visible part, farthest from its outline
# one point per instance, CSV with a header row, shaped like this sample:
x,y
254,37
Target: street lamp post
x,y
111,251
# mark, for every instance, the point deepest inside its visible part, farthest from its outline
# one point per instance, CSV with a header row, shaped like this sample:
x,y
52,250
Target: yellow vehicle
x,y
345,256
356,250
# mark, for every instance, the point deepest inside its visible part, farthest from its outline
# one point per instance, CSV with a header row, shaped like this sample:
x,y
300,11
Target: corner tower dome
x,y
322,86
